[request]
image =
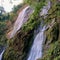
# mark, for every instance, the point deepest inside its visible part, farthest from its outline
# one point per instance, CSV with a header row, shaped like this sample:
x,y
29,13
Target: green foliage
x,y
16,8
33,2
12,55
3,39
34,20
11,16
22,42
52,42
53,52
4,17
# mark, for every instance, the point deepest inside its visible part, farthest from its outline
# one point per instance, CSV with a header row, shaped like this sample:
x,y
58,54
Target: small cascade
x,y
36,50
1,54
37,47
45,9
22,18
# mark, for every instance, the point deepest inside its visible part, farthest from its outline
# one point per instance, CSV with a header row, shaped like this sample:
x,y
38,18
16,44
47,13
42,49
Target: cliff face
x,y
52,43
21,43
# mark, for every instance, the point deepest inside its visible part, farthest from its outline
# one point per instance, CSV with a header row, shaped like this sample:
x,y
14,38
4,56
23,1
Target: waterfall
x,y
22,18
45,9
36,50
1,55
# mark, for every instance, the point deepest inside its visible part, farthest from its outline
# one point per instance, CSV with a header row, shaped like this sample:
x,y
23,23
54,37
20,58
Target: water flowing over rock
x,y
1,55
22,18
36,50
45,9
37,47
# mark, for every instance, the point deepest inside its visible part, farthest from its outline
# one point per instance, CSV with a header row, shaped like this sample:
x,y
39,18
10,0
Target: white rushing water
x,y
45,9
22,18
36,50
37,47
1,55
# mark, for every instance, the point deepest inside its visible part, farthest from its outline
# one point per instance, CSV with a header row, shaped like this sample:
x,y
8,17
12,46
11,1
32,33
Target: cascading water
x,y
22,18
1,55
36,50
45,9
